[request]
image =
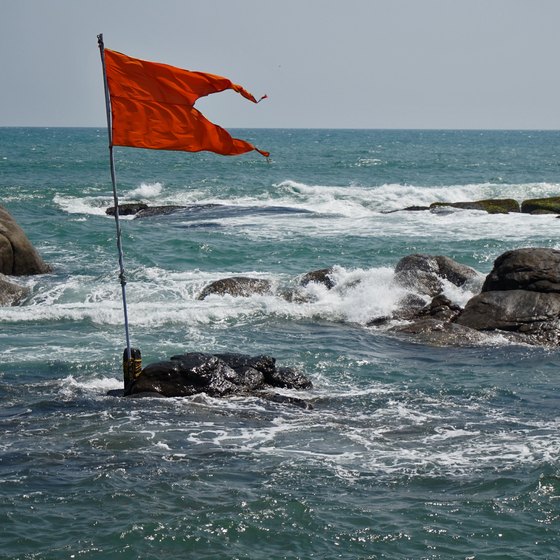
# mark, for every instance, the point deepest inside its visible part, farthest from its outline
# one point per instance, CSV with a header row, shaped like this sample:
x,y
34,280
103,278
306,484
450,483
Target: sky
x,y
466,64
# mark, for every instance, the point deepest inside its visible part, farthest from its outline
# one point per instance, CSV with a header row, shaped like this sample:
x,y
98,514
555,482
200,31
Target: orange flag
x,y
152,106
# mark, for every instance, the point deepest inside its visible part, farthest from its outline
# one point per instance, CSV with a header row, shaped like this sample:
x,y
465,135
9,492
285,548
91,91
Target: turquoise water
x,y
410,451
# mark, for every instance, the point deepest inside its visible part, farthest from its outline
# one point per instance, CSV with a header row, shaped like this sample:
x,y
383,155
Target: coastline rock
x,y
520,295
321,276
549,205
237,286
127,209
216,375
491,205
18,257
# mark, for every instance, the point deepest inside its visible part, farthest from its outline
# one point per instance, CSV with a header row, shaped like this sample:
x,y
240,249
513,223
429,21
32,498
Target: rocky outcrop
x,y
520,295
127,209
533,269
321,276
218,375
490,205
519,300
18,257
237,286
549,205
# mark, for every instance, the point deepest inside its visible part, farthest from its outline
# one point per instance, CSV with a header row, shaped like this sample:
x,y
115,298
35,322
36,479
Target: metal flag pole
x,y
122,275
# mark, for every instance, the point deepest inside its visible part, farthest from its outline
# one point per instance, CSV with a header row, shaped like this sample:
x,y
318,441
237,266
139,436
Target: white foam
x,y
146,191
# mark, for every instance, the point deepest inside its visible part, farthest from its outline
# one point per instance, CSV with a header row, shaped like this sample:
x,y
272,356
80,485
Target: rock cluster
x,y
217,375
520,299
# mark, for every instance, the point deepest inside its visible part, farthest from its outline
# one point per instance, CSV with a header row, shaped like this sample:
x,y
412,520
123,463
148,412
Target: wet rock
x,y
217,375
492,206
441,333
534,269
18,257
127,209
321,276
408,209
520,295
237,286
550,205
424,273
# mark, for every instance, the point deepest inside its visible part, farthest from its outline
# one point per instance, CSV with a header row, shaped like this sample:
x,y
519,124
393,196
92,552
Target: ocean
x,y
410,451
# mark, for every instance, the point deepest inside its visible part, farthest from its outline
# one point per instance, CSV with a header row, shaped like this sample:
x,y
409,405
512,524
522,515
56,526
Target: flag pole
x,y
122,275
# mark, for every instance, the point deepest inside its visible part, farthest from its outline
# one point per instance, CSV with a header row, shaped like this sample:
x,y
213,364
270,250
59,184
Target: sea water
x,y
410,451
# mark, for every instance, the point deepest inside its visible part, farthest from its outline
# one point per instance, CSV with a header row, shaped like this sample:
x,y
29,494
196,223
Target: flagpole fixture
x,y
122,274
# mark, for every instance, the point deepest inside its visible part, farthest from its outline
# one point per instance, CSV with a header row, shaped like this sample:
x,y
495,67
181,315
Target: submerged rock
x,y
550,205
217,375
491,205
127,209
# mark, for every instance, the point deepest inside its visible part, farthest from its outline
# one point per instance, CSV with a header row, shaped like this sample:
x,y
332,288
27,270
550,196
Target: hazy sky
x,y
323,63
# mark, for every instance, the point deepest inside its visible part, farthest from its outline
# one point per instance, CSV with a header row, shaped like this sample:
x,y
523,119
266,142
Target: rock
x,y
441,333
288,378
534,315
549,205
492,206
237,286
217,375
151,211
18,257
521,295
424,273
127,209
10,293
321,276
535,269
419,273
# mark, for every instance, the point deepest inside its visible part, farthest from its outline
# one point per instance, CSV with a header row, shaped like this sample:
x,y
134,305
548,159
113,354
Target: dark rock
x,y
549,205
18,257
264,364
419,273
127,209
216,375
288,378
535,269
408,209
186,375
237,286
492,206
151,211
511,310
442,308
321,276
